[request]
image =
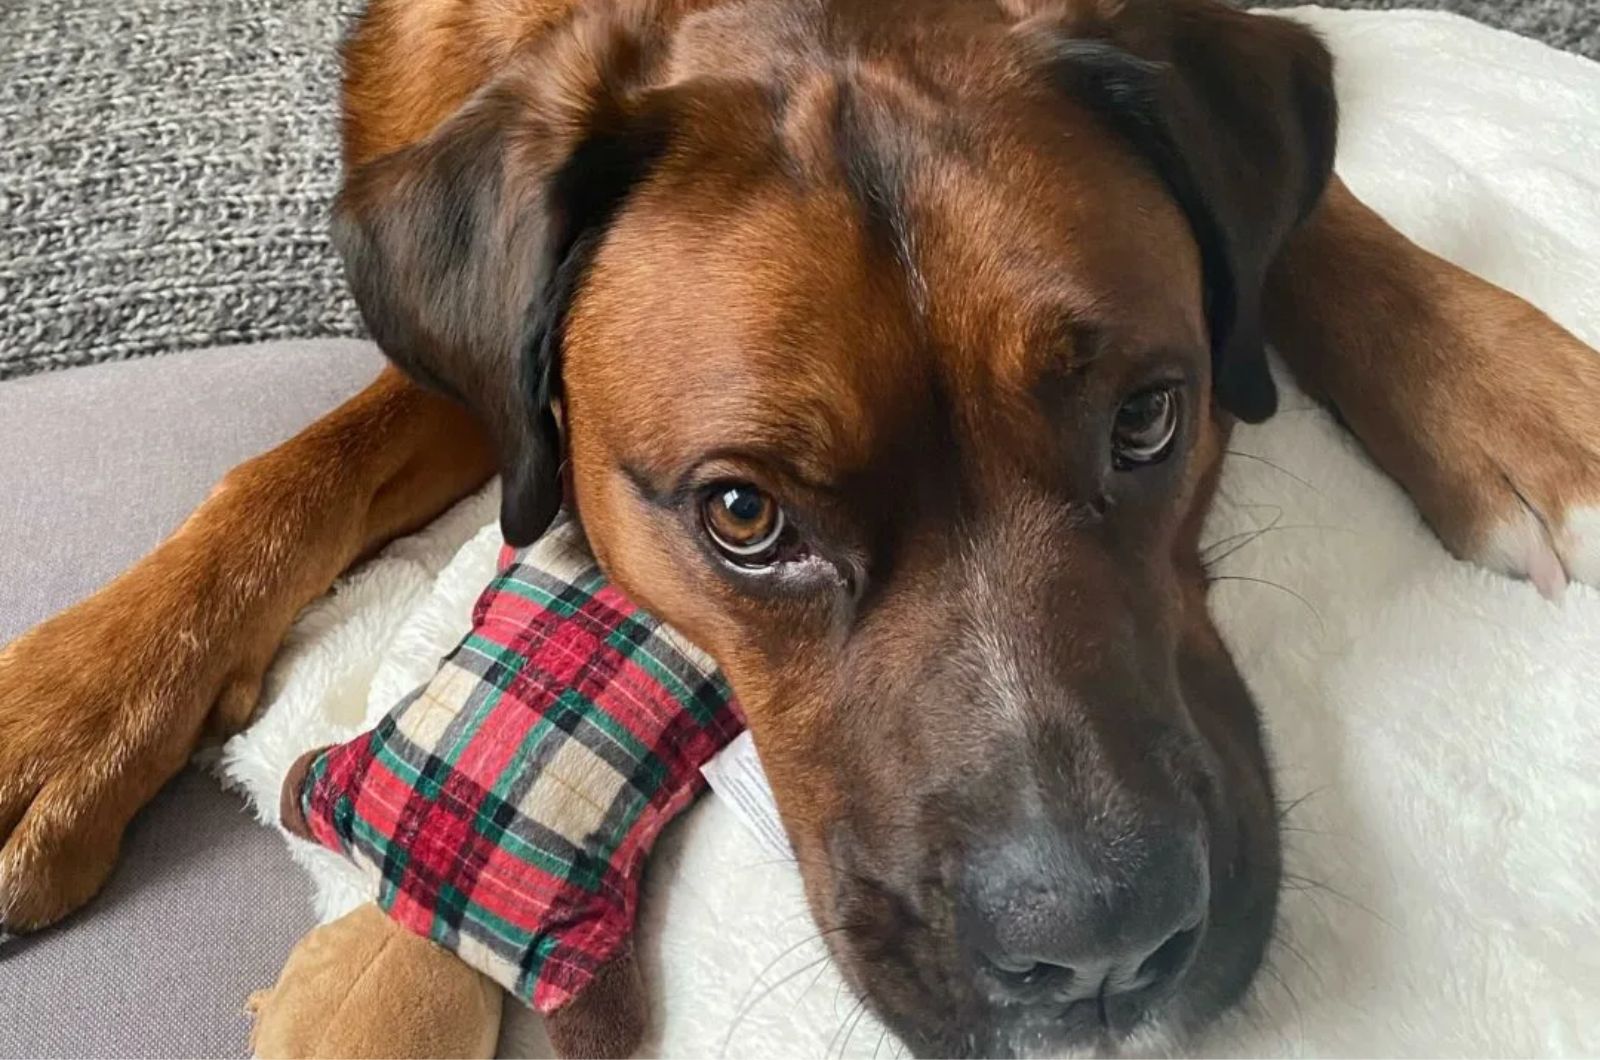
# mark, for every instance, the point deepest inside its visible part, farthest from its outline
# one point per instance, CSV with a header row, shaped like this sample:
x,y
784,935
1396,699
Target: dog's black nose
x,y
1051,917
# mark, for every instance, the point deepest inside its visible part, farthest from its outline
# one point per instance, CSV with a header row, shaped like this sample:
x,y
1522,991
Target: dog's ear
x,y
464,250
1236,112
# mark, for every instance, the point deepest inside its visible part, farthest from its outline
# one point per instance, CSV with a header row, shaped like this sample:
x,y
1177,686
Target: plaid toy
x,y
507,806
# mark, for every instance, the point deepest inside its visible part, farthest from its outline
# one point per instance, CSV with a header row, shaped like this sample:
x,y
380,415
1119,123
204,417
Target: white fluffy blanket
x,y
1441,723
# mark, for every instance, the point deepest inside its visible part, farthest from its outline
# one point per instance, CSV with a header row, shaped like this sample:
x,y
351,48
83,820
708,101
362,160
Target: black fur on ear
x,y
464,251
1236,114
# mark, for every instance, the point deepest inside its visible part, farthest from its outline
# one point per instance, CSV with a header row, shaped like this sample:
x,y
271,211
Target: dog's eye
x,y
745,524
1146,425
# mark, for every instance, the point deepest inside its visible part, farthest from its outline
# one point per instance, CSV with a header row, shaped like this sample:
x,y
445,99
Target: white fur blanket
x,y
1442,723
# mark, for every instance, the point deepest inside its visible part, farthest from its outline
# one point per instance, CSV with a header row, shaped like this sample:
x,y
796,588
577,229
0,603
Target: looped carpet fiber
x,y
165,173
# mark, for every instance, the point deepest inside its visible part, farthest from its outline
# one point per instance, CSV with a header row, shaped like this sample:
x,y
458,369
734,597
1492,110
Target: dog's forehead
x,y
768,40
824,263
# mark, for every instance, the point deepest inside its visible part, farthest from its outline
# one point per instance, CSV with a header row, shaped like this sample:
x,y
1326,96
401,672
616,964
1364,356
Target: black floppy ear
x,y
1237,114
463,251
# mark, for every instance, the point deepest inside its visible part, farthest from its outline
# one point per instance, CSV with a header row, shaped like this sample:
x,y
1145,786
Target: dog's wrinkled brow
x,y
668,490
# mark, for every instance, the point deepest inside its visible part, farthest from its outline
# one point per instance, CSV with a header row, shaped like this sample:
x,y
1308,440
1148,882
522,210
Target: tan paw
x,y
95,715
56,858
1511,439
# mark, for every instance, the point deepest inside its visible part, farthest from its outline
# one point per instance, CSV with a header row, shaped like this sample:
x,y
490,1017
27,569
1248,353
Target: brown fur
x,y
1465,393
175,649
1472,399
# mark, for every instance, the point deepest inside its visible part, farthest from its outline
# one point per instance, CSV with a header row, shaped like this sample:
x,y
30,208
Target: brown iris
x,y
745,523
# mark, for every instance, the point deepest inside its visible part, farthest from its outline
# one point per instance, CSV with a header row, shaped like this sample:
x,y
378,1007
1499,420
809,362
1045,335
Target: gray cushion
x,y
96,465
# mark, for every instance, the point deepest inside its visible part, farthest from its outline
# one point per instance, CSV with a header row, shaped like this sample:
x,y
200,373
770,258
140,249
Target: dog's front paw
x,y
58,761
1508,465
96,713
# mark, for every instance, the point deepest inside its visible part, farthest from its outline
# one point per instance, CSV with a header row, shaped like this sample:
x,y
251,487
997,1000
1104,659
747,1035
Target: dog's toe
x,y
1547,545
1578,542
1522,547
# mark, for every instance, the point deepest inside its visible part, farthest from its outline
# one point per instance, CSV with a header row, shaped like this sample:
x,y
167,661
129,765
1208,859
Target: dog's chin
x,y
1156,1032
1079,1030
1083,1033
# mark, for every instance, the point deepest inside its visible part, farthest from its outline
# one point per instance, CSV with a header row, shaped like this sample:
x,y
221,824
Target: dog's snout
x,y
1053,916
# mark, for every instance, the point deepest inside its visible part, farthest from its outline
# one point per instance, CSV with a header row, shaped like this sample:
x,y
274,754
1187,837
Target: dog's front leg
x,y
102,704
1481,406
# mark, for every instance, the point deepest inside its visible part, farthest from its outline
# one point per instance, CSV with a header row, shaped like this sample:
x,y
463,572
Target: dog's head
x,y
894,345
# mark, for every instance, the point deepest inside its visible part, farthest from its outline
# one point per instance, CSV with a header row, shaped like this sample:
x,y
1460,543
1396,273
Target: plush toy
x,y
504,812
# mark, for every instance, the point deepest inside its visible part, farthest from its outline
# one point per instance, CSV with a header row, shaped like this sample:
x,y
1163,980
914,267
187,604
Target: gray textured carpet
x,y
1570,24
165,167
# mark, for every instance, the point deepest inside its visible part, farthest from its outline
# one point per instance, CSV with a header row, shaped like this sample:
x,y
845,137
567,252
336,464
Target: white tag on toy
x,y
736,777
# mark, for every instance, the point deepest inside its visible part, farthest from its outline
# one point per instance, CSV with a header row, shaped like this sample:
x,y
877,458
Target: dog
x,y
889,351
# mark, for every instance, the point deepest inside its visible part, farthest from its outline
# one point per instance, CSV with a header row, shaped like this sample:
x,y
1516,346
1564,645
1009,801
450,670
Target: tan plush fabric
x,y
363,986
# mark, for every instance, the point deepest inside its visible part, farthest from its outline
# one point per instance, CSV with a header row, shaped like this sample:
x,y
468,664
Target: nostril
x,y
1168,958
1023,978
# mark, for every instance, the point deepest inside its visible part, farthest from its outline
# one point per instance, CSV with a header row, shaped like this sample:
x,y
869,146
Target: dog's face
x,y
926,486
890,352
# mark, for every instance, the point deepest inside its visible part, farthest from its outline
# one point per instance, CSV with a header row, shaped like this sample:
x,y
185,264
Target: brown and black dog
x,y
888,349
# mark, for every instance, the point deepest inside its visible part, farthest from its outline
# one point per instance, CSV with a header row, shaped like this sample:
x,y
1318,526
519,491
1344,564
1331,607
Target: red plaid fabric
x,y
506,807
